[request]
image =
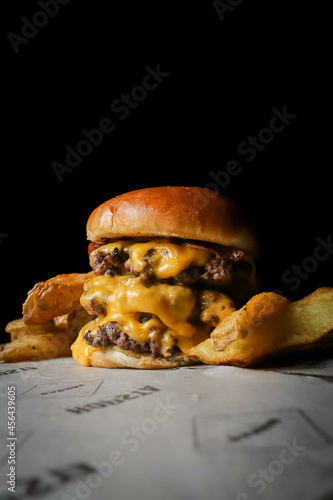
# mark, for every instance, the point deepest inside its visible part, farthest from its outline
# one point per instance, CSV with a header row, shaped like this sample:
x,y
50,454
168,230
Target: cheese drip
x,y
166,259
171,308
123,298
81,351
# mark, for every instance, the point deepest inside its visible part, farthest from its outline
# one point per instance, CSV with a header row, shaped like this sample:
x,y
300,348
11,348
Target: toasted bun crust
x,y
173,211
113,357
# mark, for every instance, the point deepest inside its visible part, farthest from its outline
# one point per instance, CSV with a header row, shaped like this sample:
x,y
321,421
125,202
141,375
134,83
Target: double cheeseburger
x,y
169,264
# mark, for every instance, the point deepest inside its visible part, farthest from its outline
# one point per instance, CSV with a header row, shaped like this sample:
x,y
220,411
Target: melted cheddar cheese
x,y
215,304
81,351
172,310
123,299
166,259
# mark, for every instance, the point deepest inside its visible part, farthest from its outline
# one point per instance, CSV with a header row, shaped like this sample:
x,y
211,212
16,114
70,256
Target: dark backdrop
x,y
224,71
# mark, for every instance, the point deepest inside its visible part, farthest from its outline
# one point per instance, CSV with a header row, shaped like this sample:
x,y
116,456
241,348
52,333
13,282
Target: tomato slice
x,y
92,246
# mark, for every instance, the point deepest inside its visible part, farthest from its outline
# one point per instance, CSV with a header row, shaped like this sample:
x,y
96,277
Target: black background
x,y
225,78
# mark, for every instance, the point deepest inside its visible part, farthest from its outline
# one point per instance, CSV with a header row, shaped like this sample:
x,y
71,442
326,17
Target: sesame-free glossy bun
x,y
173,211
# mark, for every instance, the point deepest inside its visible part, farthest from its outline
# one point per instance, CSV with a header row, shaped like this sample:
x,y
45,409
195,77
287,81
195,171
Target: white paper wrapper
x,y
190,433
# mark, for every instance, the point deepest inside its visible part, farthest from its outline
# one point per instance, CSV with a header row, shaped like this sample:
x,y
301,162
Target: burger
x,y
169,264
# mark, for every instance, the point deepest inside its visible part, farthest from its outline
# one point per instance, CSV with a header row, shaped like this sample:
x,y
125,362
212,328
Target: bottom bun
x,y
113,357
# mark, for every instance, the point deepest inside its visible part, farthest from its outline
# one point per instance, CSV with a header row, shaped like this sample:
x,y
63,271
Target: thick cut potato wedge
x,y
265,327
18,329
47,340
37,347
55,297
247,319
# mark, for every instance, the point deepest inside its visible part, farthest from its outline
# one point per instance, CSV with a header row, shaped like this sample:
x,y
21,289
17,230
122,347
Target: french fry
x,y
267,327
37,347
47,340
241,323
77,319
55,297
19,329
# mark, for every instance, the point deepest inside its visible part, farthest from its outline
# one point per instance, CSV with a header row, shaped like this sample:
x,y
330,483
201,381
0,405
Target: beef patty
x,y
111,334
224,266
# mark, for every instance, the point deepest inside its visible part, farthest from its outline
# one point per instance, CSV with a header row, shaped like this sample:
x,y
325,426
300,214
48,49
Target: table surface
x,y
185,433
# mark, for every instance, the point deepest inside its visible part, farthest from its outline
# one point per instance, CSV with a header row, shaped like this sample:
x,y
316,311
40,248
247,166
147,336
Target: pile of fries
x,y
269,325
52,319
